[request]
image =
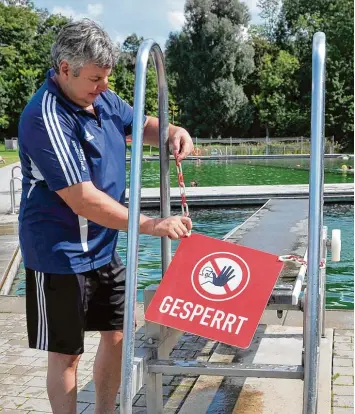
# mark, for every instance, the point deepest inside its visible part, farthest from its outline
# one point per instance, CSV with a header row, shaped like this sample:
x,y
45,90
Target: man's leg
x,y
61,382
107,371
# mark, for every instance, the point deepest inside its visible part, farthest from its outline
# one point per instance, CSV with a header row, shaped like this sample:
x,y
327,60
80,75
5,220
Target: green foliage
x,y
277,101
298,23
211,61
26,36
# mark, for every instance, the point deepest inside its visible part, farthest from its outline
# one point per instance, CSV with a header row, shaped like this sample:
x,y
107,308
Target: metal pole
x,y
315,226
12,195
147,47
164,153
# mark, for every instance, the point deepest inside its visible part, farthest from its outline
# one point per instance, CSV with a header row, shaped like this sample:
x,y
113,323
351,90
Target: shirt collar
x,y
55,89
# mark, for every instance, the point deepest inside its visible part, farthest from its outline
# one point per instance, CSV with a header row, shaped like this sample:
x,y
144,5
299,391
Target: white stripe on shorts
x,y
42,328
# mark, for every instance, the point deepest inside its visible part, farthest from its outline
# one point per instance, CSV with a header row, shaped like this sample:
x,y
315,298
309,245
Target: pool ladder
x,y
12,189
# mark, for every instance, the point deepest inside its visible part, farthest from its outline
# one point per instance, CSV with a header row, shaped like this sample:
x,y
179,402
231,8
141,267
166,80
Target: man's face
x,y
85,88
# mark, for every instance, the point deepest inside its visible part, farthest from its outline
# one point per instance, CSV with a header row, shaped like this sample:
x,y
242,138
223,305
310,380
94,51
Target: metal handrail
x,y
315,226
12,193
13,169
147,47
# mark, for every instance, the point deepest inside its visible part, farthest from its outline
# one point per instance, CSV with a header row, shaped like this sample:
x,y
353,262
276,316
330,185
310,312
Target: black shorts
x,y
60,308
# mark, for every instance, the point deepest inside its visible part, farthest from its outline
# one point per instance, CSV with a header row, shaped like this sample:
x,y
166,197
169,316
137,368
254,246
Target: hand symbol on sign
x,y
223,278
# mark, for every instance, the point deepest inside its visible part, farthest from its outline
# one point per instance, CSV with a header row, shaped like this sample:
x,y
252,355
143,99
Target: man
x,y
72,138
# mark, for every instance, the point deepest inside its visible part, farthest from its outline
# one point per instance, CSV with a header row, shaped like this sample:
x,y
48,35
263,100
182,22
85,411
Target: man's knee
x,y
63,360
112,337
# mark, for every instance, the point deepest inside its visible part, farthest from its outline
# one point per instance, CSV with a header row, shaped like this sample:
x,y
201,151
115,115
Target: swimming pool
x,y
217,223
245,172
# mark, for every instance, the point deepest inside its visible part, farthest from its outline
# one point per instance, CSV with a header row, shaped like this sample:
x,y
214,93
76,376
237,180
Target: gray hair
x,y
83,42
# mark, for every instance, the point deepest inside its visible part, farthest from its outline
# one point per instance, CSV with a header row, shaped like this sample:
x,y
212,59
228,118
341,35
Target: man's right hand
x,y
175,227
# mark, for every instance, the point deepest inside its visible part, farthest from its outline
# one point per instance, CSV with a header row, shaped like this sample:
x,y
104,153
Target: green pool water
x,y
217,223
245,172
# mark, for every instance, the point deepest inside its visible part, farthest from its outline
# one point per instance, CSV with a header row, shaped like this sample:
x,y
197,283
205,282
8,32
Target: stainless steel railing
x,y
148,47
12,188
315,228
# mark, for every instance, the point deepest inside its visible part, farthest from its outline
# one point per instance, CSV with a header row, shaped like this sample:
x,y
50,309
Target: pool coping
x,y
9,275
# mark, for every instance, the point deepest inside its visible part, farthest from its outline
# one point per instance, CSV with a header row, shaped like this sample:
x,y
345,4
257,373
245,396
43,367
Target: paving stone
x,y
340,353
81,407
11,390
89,386
90,409
167,379
343,390
342,362
15,379
86,397
38,405
12,402
193,346
338,410
343,346
140,401
5,368
183,354
15,412
33,392
343,401
347,339
344,332
343,370
36,372
40,362
344,380
37,382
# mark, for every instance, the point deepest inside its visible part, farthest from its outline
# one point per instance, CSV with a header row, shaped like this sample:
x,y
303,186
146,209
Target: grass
x,y
9,156
335,376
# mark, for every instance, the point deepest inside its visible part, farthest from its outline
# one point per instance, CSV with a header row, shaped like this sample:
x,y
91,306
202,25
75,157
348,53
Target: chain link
x,y
184,206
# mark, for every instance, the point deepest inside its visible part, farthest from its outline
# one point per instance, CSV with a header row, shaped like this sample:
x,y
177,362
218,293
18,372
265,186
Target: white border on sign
x,y
220,300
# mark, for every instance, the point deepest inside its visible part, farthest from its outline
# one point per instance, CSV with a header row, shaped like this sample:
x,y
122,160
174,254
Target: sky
x,y
148,18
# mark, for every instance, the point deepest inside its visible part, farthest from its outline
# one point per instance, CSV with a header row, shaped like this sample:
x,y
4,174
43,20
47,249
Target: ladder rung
x,y
176,367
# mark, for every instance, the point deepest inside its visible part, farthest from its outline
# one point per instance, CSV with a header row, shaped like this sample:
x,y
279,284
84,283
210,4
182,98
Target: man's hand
x,y
180,142
175,227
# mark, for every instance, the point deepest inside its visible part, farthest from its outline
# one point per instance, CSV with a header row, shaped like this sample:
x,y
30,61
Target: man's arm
x,y
89,202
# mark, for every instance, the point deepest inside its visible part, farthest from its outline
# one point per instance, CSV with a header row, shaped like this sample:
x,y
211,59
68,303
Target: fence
x,y
258,146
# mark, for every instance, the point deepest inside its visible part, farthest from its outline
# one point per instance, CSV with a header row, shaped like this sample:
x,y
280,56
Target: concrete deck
x,y
23,371
239,195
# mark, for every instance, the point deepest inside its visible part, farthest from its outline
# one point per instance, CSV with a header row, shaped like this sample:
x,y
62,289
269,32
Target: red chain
x,y
184,206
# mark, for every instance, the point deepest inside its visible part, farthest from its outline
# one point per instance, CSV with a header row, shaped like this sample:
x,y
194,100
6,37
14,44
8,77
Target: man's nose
x,y
103,84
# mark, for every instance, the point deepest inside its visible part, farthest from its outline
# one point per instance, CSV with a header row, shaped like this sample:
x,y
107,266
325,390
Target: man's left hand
x,y
180,143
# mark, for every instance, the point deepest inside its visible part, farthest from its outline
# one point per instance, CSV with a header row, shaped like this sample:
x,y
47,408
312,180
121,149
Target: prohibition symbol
x,y
220,276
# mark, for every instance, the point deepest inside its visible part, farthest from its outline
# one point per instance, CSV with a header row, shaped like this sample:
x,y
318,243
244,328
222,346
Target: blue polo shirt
x,y
62,144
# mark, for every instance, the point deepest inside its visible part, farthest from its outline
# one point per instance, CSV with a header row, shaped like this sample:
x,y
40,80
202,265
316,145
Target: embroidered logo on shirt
x,y
88,136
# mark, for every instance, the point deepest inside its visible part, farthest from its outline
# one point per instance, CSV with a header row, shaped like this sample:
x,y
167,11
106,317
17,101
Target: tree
x,y
298,23
277,102
270,10
211,60
124,76
26,36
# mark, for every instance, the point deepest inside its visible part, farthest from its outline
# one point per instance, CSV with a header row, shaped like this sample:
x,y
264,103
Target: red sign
x,y
215,289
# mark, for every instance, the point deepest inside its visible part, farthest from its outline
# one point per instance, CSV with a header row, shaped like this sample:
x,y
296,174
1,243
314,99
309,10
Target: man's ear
x,y
64,69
